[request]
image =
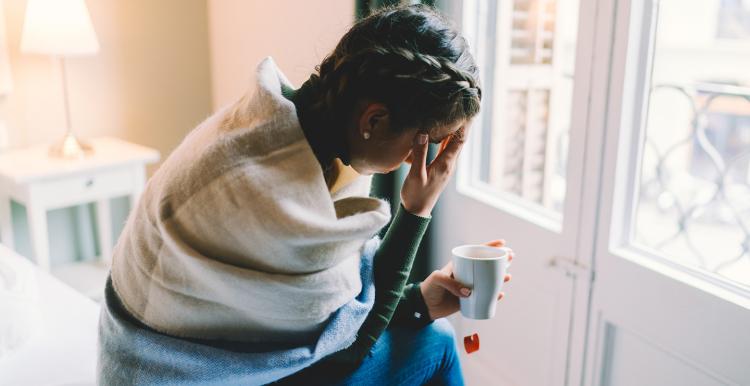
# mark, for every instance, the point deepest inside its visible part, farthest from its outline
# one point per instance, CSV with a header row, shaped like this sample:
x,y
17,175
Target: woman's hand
x,y
441,291
424,183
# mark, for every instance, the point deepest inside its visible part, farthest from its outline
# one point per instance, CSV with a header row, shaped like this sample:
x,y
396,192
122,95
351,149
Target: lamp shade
x,y
58,27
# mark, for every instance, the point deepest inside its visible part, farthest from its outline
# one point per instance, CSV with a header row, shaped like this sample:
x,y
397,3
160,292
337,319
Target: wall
x,y
162,68
150,84
297,34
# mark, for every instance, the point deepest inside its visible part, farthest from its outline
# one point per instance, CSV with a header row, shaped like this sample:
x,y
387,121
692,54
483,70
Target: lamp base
x,y
70,147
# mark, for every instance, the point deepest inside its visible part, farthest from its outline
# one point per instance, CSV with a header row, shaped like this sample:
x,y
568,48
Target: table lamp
x,y
60,28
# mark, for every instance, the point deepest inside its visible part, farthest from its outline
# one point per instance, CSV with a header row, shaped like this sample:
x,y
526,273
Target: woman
x,y
249,258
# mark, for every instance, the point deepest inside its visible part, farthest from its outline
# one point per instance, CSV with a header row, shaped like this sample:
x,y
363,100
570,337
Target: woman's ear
x,y
374,121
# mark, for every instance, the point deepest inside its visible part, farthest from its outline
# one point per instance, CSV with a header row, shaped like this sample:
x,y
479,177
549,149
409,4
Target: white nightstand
x,y
31,177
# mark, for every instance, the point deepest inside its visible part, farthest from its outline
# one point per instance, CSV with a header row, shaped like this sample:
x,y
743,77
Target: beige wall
x,y
155,76
149,83
297,34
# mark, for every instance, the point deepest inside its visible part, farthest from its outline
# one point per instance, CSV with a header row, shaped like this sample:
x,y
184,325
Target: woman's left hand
x,y
424,183
441,291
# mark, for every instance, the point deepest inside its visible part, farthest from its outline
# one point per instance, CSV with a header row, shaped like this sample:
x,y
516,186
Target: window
x,y
693,207
526,50
734,19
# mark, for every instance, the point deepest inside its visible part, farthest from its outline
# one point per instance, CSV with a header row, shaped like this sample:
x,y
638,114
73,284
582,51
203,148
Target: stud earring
x,y
366,135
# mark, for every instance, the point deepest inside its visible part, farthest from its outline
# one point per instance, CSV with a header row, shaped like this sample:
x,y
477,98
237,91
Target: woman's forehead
x,y
439,133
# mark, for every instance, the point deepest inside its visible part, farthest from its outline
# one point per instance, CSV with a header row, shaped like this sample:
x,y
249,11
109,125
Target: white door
x,y
520,178
671,298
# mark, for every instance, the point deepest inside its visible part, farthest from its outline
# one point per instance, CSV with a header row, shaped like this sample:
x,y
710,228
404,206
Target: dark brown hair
x,y
409,58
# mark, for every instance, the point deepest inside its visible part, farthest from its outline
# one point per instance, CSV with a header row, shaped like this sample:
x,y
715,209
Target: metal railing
x,y
720,199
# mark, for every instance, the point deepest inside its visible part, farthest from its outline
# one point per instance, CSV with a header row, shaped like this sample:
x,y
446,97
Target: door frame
x,y
575,264
601,29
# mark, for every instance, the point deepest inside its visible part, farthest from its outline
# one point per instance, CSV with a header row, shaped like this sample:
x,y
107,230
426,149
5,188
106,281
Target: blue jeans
x,y
405,356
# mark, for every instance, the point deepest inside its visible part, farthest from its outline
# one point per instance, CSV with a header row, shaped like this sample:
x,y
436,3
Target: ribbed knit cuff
x,y
408,228
412,310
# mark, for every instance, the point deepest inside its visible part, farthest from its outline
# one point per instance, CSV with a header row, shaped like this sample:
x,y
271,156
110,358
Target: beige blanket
x,y
237,236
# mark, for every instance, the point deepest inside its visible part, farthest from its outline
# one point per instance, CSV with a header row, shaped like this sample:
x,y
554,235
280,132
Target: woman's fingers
x,y
447,158
448,268
419,156
424,184
499,243
507,279
443,144
456,288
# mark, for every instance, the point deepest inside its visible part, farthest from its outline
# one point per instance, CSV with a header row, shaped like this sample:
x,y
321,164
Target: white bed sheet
x,y
63,352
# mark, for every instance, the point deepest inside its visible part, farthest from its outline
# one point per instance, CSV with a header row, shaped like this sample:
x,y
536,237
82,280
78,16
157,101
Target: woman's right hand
x,y
441,291
424,183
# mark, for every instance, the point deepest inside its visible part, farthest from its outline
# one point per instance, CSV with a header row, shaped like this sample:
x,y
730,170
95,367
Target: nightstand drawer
x,y
71,190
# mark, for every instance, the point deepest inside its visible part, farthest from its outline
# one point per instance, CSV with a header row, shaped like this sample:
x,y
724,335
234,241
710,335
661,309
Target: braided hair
x,y
411,59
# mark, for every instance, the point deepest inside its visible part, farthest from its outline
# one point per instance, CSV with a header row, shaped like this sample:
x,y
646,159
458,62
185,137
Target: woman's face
x,y
383,150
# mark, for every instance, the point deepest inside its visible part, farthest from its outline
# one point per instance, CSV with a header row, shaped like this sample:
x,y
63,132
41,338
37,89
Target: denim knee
x,y
438,336
438,342
442,331
409,356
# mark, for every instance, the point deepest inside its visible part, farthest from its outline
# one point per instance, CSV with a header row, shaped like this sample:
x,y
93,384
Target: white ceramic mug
x,y
482,269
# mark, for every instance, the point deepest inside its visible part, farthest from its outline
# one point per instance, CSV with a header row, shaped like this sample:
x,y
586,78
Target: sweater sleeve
x,y
392,264
411,311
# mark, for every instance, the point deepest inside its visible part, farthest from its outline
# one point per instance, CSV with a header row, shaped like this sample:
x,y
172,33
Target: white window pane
x,y
694,201
530,72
